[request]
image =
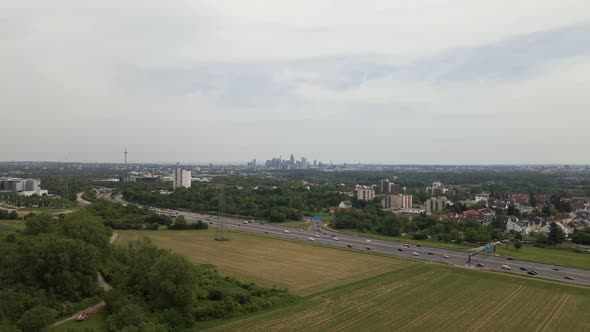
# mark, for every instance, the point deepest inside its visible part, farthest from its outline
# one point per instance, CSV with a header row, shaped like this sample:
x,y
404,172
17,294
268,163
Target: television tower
x,y
125,156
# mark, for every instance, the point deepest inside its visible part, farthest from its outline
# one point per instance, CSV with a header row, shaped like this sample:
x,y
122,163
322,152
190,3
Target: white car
x,y
245,221
286,231
415,254
506,267
336,239
311,239
446,256
368,241
317,235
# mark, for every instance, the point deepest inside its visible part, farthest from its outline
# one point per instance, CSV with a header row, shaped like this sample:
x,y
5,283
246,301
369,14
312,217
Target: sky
x,y
390,82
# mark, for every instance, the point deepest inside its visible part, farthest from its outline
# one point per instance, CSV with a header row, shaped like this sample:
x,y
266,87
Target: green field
x,y
11,225
94,323
565,257
353,291
431,298
303,268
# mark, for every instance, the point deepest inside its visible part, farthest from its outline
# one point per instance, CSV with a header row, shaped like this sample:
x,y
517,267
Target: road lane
x,y
455,257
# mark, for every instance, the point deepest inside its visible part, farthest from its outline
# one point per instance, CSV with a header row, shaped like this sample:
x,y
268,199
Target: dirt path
x,y
97,306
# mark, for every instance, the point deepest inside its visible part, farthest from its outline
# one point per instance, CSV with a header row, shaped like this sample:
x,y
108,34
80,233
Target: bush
x,y
36,318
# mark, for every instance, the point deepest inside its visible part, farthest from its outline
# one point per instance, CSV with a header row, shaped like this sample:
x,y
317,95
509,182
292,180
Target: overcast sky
x,y
429,81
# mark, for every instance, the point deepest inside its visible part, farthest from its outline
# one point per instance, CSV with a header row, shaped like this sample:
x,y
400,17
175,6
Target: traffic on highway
x,y
324,236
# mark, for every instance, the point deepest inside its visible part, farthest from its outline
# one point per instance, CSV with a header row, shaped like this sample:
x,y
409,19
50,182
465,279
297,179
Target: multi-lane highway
x,y
453,257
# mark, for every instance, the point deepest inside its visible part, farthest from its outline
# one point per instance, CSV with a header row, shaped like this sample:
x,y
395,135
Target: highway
x,y
452,257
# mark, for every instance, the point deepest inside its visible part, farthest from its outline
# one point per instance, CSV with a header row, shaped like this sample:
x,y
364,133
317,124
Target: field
x,y
304,269
350,291
431,298
11,225
94,323
563,257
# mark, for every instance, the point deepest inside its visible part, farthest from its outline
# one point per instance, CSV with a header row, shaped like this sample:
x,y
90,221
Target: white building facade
x,y
182,178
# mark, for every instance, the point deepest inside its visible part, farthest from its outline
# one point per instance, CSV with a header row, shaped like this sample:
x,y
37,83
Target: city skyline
x,y
386,82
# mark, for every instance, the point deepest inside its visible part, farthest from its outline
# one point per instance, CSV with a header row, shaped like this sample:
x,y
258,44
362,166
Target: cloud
x,y
382,81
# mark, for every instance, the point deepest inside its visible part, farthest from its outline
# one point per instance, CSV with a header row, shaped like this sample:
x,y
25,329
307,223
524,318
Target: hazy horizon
x,y
390,82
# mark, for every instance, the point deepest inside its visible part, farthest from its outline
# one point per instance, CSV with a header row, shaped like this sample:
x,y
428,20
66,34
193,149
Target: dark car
x,y
480,265
418,245
430,253
332,235
532,273
510,258
369,248
555,269
349,246
210,223
400,249
524,268
265,232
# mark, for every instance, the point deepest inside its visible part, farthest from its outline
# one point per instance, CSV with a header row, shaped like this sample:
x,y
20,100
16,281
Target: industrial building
x,y
23,187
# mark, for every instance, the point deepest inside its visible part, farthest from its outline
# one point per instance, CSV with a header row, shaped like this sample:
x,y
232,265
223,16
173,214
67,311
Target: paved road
x,y
453,257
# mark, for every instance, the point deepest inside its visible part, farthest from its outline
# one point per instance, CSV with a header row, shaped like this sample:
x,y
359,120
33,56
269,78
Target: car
x,y
265,232
336,239
245,221
324,233
210,223
82,317
311,239
555,269
430,253
317,235
348,246
368,241
286,231
415,254
510,258
332,235
400,249
480,265
369,248
261,223
446,256
532,273
418,245
524,268
568,278
506,267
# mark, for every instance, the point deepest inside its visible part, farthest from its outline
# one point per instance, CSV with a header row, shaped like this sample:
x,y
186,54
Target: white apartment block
x,y
182,178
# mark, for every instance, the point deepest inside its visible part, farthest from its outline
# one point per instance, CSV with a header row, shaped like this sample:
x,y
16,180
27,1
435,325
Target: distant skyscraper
x,y
292,160
303,162
182,178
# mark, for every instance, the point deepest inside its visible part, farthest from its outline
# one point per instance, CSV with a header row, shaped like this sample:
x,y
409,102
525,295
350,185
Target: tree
x,y
36,318
517,245
556,234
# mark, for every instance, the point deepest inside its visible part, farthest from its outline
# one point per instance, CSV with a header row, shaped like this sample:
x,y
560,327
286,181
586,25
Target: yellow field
x,y
303,269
